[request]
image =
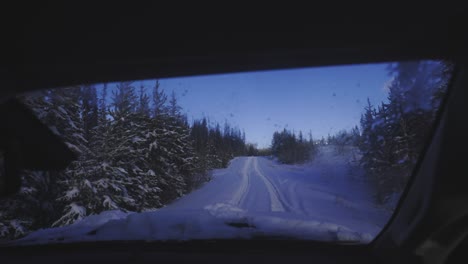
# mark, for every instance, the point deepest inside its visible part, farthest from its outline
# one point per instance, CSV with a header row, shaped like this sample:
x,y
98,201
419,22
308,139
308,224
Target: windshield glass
x,y
314,153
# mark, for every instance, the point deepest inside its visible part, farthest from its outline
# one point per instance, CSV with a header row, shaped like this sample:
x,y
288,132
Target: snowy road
x,y
243,185
324,191
326,199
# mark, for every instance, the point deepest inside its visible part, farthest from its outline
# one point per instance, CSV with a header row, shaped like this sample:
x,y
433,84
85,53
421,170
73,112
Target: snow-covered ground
x,y
253,197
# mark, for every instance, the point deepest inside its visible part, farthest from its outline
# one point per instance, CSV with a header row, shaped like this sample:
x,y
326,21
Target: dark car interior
x,y
68,45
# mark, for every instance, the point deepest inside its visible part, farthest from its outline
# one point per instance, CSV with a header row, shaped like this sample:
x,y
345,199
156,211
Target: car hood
x,y
216,221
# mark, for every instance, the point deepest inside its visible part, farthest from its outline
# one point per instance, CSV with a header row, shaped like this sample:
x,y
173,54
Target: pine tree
x,y
159,100
174,108
143,107
61,110
35,205
124,101
171,151
32,208
289,148
394,134
128,163
102,110
89,110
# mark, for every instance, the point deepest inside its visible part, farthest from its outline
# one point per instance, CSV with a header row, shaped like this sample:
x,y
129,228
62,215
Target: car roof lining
x,y
47,54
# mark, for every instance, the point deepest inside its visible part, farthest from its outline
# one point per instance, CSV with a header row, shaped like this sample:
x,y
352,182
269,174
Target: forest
x,y
391,135
137,152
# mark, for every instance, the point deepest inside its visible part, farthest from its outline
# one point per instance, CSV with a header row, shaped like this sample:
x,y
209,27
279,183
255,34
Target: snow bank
x,y
73,231
216,221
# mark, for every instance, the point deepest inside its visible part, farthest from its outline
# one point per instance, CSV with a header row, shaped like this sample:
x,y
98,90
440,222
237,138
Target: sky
x,y
322,100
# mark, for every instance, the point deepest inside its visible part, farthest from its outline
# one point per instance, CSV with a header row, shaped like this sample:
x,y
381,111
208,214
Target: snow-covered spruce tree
x,y
101,182
199,134
88,189
219,151
289,148
214,148
229,144
135,184
61,110
30,209
143,107
170,152
398,130
32,206
95,184
159,99
184,156
368,141
89,109
117,174
380,151
65,117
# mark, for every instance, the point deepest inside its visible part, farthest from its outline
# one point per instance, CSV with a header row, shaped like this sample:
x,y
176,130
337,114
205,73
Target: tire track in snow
x,y
239,195
289,195
275,202
299,201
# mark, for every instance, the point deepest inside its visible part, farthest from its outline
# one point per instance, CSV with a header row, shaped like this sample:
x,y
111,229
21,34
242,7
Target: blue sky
x,y
322,100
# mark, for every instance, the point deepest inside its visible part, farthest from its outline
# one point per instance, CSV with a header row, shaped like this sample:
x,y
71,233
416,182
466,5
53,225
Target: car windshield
x,y
319,153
